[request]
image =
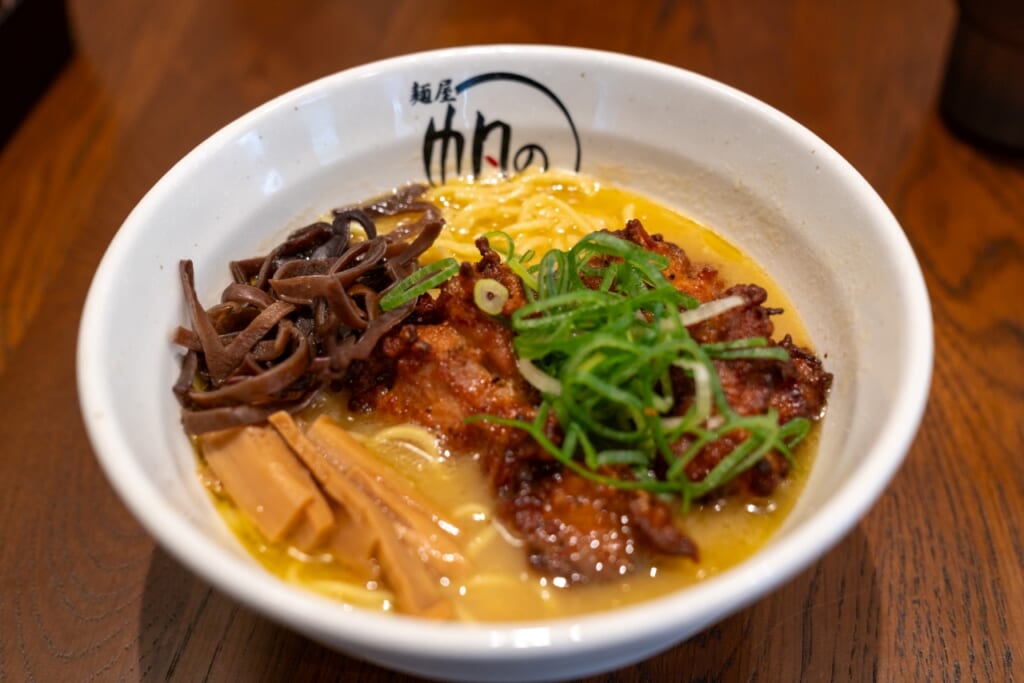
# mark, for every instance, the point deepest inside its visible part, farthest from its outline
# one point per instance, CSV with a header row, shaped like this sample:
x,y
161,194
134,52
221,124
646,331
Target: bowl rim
x,y
719,596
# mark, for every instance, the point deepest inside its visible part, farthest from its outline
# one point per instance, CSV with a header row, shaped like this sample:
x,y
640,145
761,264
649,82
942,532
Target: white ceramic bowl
x,y
733,163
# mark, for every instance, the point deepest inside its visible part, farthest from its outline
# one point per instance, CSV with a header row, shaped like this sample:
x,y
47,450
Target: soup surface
x,y
539,212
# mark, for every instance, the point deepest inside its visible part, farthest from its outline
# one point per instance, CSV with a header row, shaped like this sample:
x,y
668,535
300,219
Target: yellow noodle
x,y
538,211
492,588
459,251
350,592
546,206
495,580
473,511
520,207
481,541
408,437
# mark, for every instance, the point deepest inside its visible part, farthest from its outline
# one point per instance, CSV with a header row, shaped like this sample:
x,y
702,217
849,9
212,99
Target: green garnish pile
x,y
602,356
420,282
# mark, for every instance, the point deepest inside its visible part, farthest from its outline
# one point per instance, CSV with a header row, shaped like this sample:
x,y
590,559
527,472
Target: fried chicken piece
x,y
795,388
451,361
581,530
698,280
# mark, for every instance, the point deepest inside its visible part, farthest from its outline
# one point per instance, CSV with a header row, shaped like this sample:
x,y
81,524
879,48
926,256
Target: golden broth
x,y
554,210
501,585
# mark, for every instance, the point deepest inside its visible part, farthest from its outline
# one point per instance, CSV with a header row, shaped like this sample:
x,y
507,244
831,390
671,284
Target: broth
x,y
501,585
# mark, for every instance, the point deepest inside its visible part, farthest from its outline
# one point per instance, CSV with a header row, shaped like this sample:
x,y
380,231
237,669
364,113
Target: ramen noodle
x,y
482,567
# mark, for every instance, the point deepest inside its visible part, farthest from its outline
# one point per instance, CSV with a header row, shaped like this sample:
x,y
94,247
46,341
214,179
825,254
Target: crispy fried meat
x,y
581,530
698,280
796,388
449,361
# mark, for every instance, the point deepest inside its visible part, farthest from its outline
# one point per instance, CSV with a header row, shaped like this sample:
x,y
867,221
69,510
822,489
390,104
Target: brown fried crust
x,y
450,361
698,280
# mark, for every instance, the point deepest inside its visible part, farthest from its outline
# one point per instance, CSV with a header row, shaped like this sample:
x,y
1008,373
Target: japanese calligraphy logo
x,y
444,147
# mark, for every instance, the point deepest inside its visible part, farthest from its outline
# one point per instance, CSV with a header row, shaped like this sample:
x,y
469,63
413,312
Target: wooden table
x,y
928,586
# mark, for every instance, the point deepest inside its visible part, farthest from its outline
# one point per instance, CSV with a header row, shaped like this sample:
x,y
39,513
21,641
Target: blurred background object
x,y
35,43
983,95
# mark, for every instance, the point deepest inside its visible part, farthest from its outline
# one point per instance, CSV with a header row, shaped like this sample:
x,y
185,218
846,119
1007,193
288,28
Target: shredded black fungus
x,y
292,321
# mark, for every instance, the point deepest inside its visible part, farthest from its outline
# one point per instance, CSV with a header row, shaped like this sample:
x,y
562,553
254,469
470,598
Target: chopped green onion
x,y
517,264
538,378
711,309
490,295
419,282
750,348
599,336
702,388
623,457
772,353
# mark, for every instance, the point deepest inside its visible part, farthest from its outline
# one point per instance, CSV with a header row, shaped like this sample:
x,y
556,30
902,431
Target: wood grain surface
x,y
929,586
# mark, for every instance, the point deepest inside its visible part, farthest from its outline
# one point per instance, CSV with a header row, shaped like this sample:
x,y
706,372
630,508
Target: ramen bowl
x,y
753,175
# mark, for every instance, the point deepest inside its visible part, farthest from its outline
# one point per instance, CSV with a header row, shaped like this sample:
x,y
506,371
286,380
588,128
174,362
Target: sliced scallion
x,y
489,295
419,282
600,335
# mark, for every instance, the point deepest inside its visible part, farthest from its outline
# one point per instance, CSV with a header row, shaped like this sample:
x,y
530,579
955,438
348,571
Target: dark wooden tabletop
x,y
929,586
